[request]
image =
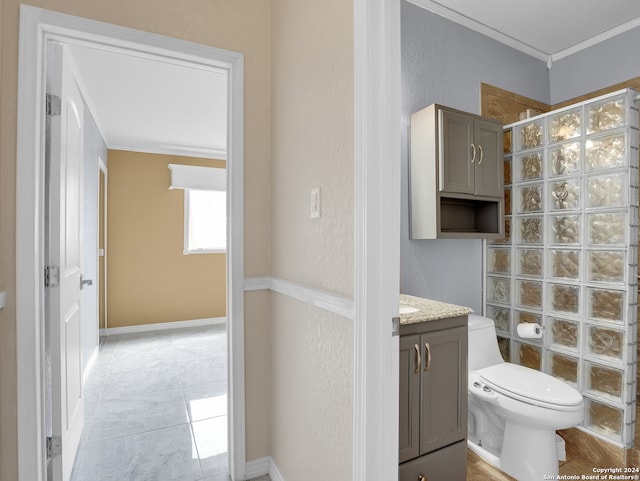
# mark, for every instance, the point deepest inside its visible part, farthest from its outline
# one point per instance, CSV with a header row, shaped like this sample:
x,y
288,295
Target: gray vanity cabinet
x,y
456,175
433,400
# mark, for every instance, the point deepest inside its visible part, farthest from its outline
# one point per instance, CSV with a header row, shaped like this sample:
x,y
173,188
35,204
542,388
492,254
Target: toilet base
x,y
528,454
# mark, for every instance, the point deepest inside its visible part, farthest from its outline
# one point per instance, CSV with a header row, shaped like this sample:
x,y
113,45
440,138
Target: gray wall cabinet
x,y
456,175
433,400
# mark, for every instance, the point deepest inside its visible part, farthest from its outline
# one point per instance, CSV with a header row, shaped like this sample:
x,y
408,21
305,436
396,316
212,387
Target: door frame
x,y
37,27
377,143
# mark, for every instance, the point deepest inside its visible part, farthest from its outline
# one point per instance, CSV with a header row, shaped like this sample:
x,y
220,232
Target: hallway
x,y
156,408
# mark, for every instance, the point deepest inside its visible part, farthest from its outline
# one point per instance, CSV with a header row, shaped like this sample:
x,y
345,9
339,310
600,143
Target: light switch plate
x,y
315,203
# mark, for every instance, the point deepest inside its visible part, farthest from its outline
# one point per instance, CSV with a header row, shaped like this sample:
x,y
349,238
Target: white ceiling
x,y
153,104
545,29
149,104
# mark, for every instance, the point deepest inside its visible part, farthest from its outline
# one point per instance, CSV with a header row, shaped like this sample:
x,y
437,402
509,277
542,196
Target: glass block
x,y
565,229
499,289
529,293
606,266
505,348
564,298
563,367
607,228
565,126
507,171
528,317
528,355
506,145
501,316
606,304
530,199
606,115
529,166
531,135
507,201
604,419
565,264
605,153
499,260
507,232
563,333
530,230
606,343
604,381
565,159
529,262
607,191
564,195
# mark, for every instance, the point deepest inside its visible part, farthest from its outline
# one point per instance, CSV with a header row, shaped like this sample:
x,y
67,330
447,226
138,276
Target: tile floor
x,y
155,408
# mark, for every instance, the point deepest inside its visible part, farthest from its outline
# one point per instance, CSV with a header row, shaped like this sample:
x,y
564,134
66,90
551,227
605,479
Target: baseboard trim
x,y
161,326
256,467
274,473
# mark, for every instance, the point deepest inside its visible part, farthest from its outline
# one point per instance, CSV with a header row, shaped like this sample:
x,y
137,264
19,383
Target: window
x,y
205,226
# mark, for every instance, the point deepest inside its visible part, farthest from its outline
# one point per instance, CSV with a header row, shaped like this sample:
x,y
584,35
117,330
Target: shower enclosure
x,y
570,253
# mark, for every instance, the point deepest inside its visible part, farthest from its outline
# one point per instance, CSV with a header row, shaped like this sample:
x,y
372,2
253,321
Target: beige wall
x,y
313,146
239,25
150,280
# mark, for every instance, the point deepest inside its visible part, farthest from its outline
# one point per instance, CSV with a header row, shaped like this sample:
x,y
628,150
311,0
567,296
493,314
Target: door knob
x,y
85,282
422,478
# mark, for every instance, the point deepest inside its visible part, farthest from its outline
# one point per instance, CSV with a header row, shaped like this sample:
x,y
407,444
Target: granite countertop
x,y
429,310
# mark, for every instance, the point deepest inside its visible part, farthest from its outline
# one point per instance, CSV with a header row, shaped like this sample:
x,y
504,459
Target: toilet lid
x,y
530,386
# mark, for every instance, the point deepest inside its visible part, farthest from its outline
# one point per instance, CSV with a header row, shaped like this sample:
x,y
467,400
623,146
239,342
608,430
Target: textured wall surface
x,y
312,392
607,63
242,26
444,63
312,350
313,143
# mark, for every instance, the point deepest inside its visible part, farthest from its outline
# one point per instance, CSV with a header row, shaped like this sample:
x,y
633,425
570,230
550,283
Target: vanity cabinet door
x,y
443,416
410,373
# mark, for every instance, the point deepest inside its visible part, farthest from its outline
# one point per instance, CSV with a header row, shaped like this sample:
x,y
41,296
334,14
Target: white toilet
x,y
514,411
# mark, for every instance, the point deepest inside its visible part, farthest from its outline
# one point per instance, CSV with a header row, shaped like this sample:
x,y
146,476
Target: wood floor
x,y
480,470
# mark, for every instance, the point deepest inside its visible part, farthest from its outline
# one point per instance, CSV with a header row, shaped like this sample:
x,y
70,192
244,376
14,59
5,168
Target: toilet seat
x,y
530,386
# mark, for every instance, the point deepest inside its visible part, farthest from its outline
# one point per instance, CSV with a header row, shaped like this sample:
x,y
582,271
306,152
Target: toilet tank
x,y
483,343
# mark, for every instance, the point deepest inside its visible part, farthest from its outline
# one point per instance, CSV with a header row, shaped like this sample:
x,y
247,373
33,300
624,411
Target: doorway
x,y
38,27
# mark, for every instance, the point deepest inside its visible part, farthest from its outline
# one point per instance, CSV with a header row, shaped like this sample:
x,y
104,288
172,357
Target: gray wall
x,y
443,62
605,64
94,147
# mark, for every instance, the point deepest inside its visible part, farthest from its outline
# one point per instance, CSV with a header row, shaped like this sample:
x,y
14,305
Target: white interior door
x,y
64,300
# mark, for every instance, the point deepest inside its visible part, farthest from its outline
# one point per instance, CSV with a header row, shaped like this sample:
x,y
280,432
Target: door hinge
x,y
54,106
395,326
54,446
51,276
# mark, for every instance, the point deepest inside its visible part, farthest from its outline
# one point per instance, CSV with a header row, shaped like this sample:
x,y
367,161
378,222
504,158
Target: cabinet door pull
x,y
428,349
480,149
418,358
473,153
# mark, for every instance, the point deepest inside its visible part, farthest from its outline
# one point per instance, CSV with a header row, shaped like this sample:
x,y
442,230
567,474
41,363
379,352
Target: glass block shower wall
x,y
569,258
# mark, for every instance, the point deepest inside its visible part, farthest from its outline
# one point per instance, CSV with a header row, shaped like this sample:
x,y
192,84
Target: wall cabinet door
x,y
410,372
470,155
457,172
443,416
489,159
